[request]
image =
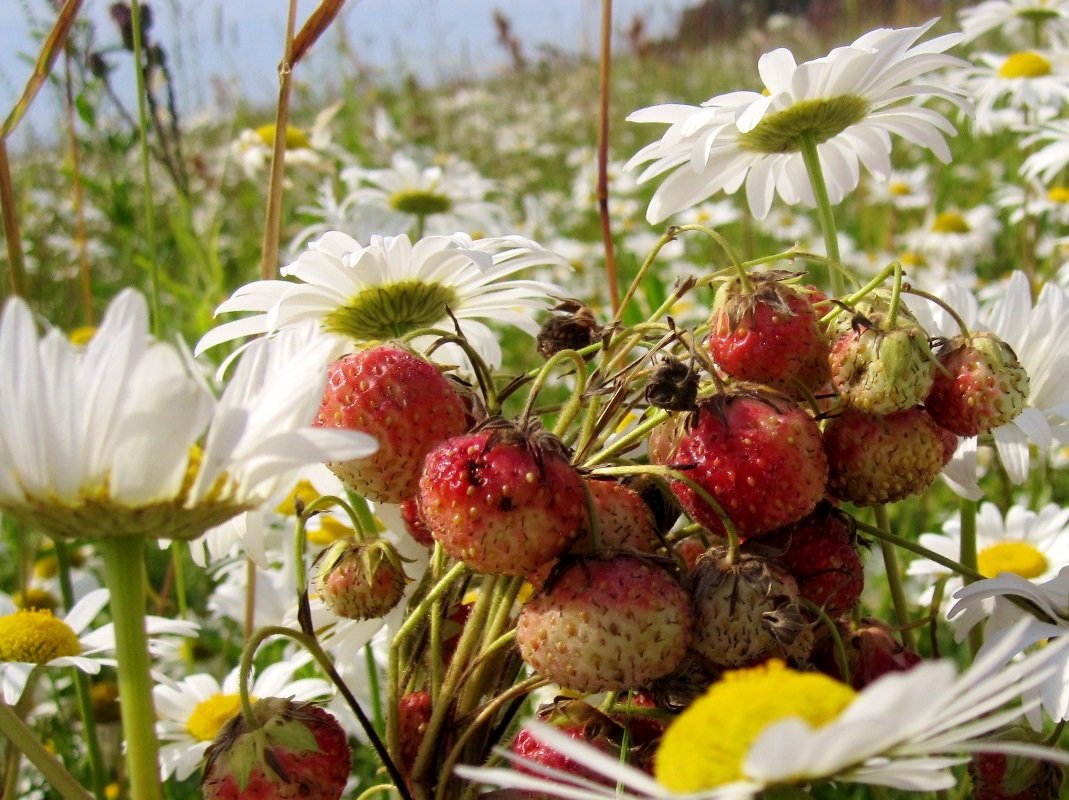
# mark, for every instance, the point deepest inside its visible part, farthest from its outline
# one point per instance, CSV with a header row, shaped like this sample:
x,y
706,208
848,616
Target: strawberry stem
x,y
666,237
740,270
575,401
896,295
851,300
894,581
838,648
943,304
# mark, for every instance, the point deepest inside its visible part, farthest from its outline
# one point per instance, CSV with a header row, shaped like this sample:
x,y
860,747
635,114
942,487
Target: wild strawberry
x,y
625,522
414,524
504,500
769,335
413,715
820,552
881,368
359,581
760,457
404,401
986,386
997,776
746,611
299,752
874,460
871,652
599,624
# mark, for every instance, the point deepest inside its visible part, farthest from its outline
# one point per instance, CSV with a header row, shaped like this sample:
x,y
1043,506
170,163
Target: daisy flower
x,y
390,287
846,105
193,710
1027,80
1035,201
1034,331
903,189
1014,18
437,198
1031,544
33,637
102,441
1046,621
1046,162
769,726
311,149
955,239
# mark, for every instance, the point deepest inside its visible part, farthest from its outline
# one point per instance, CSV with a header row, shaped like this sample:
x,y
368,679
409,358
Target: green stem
x,y
666,237
378,719
124,569
146,174
23,737
967,554
808,147
894,581
740,270
569,412
896,296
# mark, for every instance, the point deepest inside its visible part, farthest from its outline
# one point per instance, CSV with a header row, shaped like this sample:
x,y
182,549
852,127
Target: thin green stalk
x,y
23,737
12,233
666,237
604,74
146,173
808,147
968,556
124,569
569,412
378,719
894,581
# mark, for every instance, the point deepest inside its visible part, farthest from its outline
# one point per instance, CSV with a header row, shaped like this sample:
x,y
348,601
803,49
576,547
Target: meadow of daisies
x,y
688,421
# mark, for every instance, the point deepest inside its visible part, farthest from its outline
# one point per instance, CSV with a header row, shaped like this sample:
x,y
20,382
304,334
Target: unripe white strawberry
x,y
984,385
359,581
610,623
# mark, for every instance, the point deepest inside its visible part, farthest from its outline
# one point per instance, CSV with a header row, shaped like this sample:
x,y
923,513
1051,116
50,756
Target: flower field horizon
x,y
688,420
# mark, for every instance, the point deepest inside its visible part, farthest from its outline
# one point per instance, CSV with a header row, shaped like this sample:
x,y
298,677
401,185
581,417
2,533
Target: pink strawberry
x,y
758,454
625,522
503,499
404,401
299,752
413,715
768,335
984,385
820,552
359,580
414,524
599,624
874,460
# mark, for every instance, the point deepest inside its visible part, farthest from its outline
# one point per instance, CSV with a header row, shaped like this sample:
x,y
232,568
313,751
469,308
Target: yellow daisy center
x,y
35,636
391,310
909,259
212,714
899,189
708,743
1025,64
950,222
40,599
329,531
81,336
782,131
420,202
295,137
1020,558
303,491
1058,194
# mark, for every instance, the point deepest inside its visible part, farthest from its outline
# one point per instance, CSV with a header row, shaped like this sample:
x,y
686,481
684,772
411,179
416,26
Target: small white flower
x,y
1014,18
954,239
1027,80
1046,162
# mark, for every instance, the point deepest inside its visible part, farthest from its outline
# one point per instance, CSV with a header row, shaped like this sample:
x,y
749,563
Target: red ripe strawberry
x,y
881,368
625,522
746,611
820,552
504,500
299,752
985,387
600,624
414,524
871,652
404,401
758,454
359,581
576,719
874,460
997,776
413,715
768,335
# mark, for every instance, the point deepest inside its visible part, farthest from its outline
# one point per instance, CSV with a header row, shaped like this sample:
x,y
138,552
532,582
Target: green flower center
x,y
1020,558
391,310
950,222
706,746
34,636
822,119
420,202
212,714
1025,64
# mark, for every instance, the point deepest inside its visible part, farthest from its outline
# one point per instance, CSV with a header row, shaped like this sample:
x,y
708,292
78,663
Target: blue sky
x,y
238,42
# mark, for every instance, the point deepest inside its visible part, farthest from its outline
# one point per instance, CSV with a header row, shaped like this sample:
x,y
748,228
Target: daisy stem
x,y
967,554
146,173
808,147
894,581
23,738
124,569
